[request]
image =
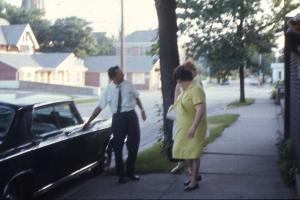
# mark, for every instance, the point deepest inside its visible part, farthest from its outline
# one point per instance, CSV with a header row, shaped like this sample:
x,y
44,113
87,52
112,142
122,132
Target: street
x,y
216,96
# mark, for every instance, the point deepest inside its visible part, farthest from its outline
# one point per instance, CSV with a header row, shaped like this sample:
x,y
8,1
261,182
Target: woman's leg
x,y
195,172
177,168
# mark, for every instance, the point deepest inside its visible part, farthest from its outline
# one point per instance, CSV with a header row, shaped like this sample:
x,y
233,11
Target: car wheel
x,y
14,191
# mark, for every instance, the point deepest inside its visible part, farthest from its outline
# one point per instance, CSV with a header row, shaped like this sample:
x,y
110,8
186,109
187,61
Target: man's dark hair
x,y
183,74
112,71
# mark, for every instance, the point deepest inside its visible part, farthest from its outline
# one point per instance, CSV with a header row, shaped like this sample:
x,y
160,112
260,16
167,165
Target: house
x,y
277,72
138,43
54,68
140,70
17,38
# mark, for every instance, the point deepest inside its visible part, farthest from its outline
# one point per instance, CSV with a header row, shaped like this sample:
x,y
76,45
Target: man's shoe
x,y
189,188
189,181
122,180
134,177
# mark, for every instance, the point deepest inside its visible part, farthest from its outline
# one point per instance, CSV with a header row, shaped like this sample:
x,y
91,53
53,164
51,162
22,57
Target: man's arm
x,y
96,112
139,103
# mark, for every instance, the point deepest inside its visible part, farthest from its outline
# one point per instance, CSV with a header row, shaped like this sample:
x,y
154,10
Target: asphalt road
x,y
216,96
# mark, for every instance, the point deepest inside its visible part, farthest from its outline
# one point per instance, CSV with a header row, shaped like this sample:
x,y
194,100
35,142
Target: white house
x,y
54,68
277,72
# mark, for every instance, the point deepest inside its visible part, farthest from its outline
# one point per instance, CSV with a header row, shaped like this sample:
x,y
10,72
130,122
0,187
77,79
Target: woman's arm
x,y
177,92
199,113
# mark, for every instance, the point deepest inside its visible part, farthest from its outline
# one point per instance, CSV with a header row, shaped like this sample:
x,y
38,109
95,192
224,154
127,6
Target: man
x,y
122,98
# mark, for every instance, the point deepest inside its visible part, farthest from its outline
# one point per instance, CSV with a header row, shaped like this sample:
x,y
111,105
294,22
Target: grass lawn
x,y
237,104
152,160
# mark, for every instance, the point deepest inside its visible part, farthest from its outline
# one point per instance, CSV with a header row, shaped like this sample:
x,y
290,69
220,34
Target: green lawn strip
x,y
152,160
237,104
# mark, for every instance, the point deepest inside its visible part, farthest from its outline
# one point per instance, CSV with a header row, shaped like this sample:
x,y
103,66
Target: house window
x,y
279,75
138,78
28,76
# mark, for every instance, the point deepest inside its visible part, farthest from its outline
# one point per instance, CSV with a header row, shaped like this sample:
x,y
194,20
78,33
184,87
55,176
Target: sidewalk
x,y
241,164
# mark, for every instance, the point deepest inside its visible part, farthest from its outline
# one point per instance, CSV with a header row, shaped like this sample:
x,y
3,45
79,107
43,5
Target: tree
x,y
105,46
43,32
72,34
169,58
225,30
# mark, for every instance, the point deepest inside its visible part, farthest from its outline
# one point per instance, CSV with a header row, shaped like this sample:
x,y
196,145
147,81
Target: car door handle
x,y
70,132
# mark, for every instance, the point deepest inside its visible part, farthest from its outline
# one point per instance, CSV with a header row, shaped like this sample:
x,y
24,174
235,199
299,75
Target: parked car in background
x,y
252,80
42,144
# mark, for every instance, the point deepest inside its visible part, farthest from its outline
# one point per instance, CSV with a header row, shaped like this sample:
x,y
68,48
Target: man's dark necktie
x,y
119,100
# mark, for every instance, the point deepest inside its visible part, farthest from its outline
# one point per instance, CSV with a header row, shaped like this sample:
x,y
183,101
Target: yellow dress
x,y
184,147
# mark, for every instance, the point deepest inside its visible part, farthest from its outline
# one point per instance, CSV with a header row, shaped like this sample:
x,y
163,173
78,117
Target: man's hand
x,y
191,132
143,114
86,126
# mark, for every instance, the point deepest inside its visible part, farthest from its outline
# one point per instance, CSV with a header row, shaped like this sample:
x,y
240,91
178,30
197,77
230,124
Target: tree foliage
x,y
71,34
226,31
105,46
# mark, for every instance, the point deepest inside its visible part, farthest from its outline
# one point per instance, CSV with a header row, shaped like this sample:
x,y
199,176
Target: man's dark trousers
x,y
125,124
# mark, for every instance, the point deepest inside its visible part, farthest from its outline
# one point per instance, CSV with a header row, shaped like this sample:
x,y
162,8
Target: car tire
x,y
14,191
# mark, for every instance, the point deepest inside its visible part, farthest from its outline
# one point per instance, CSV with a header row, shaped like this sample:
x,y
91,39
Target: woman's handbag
x,y
171,114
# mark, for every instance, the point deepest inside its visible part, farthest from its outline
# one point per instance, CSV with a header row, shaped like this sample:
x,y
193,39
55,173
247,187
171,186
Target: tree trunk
x,y
242,84
169,58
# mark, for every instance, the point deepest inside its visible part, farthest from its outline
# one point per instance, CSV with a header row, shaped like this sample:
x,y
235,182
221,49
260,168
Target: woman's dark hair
x,y
183,74
112,71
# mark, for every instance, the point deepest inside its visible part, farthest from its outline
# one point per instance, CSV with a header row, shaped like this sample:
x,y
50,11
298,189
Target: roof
x,y
13,33
18,60
46,60
50,60
132,63
142,36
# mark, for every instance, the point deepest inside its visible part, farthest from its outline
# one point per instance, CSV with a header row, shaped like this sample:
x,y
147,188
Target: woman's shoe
x,y
177,168
190,188
189,181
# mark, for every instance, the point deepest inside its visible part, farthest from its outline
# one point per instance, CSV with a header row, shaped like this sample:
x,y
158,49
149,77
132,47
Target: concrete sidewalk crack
x,y
170,186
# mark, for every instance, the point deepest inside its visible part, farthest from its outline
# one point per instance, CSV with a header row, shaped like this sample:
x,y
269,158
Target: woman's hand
x,y
191,132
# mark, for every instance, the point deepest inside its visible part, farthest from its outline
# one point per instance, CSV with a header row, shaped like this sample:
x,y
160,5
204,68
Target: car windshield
x,y
6,117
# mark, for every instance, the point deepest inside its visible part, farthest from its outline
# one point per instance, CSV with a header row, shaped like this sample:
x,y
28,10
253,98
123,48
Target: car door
x,y
51,149
84,146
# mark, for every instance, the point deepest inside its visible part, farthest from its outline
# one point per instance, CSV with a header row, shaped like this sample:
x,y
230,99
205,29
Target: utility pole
x,y
122,47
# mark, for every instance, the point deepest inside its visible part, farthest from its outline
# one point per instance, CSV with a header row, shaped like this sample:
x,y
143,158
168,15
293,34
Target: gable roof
x,y
18,60
132,63
142,36
13,33
44,60
50,60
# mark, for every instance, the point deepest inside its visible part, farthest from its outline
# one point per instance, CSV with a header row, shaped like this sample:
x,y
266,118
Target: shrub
x,y
287,162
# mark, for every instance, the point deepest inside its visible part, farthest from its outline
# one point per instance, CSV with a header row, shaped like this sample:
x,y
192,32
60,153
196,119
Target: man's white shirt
x,y
111,93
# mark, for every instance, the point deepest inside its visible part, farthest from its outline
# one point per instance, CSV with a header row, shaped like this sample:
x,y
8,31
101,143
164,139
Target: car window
x,y
44,121
6,117
65,116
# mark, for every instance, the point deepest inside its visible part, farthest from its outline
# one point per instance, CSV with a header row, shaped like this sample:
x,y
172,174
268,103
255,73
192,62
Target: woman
x,y
189,64
190,123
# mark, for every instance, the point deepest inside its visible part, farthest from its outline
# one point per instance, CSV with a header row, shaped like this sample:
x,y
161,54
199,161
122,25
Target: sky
x,y
104,15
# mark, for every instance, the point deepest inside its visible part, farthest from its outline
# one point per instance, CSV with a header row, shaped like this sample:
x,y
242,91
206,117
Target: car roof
x,y
33,99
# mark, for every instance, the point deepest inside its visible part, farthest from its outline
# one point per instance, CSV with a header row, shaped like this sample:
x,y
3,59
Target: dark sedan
x,y
42,144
